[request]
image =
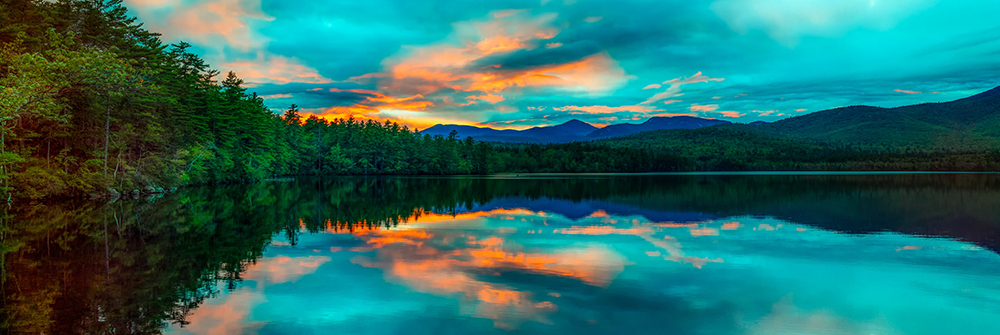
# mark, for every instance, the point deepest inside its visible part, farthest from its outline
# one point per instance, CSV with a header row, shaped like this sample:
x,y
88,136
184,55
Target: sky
x,y
518,64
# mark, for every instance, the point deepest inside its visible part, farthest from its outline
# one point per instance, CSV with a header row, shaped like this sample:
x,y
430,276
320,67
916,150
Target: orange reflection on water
x,y
282,269
731,226
704,231
605,230
422,260
382,237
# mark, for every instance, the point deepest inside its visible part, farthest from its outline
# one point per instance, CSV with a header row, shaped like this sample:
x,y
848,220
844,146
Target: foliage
x,y
134,266
92,101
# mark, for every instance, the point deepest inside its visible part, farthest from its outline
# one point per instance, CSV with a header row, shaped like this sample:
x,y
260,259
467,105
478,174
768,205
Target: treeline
x,y
744,148
93,103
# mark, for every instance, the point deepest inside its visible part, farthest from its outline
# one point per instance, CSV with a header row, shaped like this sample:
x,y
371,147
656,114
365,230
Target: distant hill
x,y
969,123
656,123
567,132
573,130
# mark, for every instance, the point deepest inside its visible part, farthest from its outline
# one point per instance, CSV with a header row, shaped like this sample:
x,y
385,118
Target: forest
x,y
95,105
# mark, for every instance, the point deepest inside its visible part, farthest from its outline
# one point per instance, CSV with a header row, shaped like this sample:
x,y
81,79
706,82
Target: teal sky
x,y
518,64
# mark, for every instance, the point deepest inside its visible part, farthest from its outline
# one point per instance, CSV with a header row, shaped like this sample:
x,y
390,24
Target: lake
x,y
591,254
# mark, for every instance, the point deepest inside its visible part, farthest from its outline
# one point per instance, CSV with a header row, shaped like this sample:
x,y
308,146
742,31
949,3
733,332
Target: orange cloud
x,y
671,101
801,110
764,113
553,45
203,21
446,66
379,107
579,110
651,86
674,114
416,262
703,108
274,69
491,98
284,269
276,96
909,92
732,114
228,317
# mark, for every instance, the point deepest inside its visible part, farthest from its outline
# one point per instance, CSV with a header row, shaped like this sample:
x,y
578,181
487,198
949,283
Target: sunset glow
x,y
516,65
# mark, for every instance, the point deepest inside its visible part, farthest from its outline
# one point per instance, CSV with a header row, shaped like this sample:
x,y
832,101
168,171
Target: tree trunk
x,y
107,133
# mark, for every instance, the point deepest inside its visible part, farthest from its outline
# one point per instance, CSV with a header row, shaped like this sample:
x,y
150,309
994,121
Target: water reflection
x,y
723,255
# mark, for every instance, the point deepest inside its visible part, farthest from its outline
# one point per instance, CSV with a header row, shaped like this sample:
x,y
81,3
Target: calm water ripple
x,y
848,254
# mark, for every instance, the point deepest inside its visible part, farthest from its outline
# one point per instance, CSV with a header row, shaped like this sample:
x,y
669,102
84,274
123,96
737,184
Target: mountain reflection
x,y
515,251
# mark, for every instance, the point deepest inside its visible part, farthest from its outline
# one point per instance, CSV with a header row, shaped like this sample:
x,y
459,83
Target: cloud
x,y
449,263
276,96
732,114
676,114
674,89
696,78
274,69
787,21
204,22
501,54
491,98
909,92
579,110
765,113
703,108
585,55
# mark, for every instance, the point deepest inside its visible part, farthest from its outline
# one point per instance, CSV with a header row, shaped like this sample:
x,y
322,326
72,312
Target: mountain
x,y
572,130
656,123
969,123
464,131
757,123
966,125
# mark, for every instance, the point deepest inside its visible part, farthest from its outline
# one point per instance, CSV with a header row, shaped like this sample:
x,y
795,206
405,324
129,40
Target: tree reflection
x,y
134,266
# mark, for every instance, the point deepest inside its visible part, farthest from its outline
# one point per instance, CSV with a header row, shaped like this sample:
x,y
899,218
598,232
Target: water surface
x,y
691,254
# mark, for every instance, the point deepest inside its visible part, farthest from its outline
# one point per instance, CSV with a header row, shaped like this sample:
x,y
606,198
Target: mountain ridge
x,y
570,131
971,122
